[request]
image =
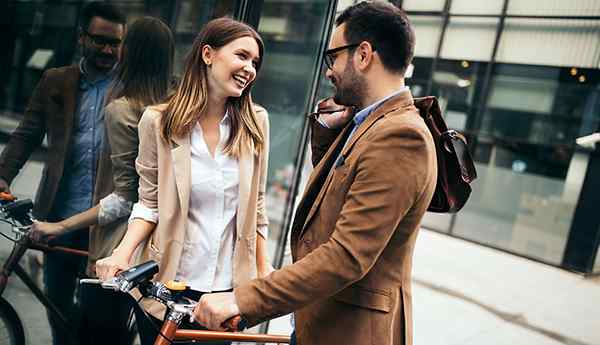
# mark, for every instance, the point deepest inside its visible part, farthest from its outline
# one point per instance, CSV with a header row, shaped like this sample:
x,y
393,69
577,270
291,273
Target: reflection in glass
x,y
191,17
529,174
292,32
455,84
420,76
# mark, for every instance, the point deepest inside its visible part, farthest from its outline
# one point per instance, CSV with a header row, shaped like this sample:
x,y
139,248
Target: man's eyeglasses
x,y
330,54
102,41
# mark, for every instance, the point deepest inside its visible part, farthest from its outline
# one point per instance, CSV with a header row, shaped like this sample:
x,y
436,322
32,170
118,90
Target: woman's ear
x,y
207,54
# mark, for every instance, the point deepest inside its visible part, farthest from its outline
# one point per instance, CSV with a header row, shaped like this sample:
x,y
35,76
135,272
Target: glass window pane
x,y
554,7
476,7
596,268
456,84
423,5
293,33
193,14
427,30
469,38
529,175
191,17
421,73
550,42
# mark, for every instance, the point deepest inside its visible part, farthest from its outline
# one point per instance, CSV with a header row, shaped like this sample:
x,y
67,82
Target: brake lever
x,y
111,284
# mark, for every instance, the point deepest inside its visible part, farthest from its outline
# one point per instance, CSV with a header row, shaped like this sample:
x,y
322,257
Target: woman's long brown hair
x,y
190,99
144,74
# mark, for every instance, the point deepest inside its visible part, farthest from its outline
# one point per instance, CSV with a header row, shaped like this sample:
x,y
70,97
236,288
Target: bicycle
x,y
17,213
172,295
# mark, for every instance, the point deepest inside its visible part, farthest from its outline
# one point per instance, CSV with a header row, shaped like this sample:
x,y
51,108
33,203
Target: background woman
x,y
202,164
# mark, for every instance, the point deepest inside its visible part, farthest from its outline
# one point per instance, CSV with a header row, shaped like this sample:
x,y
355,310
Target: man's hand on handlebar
x,y
42,231
108,267
214,309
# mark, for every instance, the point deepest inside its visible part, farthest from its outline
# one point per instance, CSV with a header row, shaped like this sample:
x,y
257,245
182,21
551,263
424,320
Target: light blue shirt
x,y
360,117
77,184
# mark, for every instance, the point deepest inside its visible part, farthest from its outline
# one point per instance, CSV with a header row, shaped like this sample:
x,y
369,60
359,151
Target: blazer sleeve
x,y
262,220
122,132
147,160
376,202
27,136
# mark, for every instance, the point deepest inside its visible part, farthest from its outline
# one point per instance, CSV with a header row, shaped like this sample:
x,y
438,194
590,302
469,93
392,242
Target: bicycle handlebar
x,y
139,276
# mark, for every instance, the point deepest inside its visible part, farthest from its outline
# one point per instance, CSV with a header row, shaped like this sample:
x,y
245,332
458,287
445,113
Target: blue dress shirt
x,y
77,184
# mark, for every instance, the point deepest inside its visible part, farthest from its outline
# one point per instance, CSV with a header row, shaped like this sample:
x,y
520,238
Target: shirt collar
x,y
362,115
85,83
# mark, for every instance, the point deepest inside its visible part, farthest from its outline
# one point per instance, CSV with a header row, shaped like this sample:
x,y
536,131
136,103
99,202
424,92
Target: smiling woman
x,y
203,163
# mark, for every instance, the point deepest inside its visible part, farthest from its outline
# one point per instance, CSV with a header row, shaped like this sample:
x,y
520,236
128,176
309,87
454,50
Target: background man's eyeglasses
x,y
102,41
329,55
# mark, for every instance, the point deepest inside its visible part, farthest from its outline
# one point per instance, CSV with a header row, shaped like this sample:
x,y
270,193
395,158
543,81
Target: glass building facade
x,y
520,78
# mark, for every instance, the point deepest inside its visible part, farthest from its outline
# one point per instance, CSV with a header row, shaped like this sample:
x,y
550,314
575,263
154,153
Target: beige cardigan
x,y
165,178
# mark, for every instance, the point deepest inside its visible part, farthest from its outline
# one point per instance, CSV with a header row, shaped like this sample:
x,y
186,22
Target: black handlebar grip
x,y
19,211
137,274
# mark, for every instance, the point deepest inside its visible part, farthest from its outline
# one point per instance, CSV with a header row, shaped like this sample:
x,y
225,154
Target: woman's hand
x,y
40,231
108,267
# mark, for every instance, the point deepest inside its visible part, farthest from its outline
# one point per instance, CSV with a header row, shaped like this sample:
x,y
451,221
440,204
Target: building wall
x,y
521,79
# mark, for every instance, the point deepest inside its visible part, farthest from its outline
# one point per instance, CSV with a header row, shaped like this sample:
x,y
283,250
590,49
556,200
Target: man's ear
x,y
365,55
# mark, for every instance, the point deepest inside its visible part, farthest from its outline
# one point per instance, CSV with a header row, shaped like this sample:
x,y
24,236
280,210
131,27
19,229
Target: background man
x,y
67,107
354,231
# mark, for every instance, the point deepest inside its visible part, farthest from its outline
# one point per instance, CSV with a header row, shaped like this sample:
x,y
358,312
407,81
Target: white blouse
x,y
207,259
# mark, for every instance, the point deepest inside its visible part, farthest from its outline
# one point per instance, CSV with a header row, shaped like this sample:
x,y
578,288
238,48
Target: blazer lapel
x,y
181,156
246,174
316,184
403,99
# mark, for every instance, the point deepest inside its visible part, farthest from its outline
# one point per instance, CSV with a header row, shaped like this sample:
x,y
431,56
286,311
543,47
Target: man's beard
x,y
91,56
350,88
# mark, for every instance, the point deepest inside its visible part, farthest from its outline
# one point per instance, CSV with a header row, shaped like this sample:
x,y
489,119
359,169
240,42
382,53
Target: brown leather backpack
x,y
455,166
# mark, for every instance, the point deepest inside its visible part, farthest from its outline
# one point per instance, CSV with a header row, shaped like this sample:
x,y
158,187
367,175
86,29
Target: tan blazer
x,y
165,179
354,233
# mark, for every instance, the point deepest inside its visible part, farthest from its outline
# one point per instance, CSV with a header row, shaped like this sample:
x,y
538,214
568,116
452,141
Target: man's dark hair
x,y
103,10
385,27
